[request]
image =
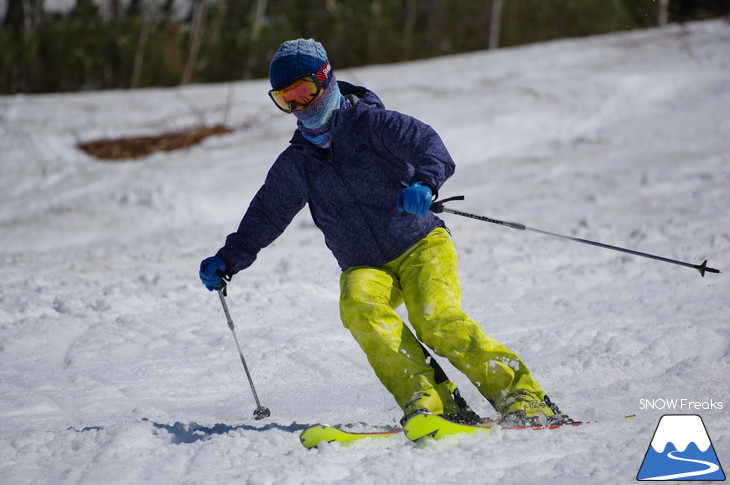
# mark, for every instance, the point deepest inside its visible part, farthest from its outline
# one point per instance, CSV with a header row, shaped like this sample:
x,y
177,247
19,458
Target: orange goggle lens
x,y
297,94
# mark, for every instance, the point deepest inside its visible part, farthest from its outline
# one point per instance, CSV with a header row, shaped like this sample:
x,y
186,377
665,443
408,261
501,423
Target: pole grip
x,y
437,206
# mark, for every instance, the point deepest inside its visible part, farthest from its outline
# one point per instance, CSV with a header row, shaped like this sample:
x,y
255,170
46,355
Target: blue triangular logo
x,y
681,450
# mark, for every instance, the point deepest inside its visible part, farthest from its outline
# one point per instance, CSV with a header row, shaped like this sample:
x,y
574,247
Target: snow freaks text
x,y
677,404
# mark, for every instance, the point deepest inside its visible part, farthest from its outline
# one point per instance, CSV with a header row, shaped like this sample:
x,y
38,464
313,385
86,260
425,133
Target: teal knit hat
x,y
297,58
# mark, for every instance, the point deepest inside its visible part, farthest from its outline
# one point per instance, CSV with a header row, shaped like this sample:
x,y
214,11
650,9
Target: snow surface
x,y
116,366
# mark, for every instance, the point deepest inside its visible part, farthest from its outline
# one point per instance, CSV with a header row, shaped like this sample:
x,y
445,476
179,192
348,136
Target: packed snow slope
x,y
117,367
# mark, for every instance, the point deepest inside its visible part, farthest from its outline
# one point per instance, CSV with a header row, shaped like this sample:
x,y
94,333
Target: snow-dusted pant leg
x,y
367,301
430,285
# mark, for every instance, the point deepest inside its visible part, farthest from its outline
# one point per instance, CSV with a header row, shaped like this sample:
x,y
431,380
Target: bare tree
x,y
259,10
139,52
134,8
84,6
168,6
257,24
495,23
115,8
35,12
409,27
663,12
376,13
22,14
430,40
14,15
196,35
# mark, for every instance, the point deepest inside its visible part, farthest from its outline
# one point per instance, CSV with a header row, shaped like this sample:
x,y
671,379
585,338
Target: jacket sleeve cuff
x,y
434,190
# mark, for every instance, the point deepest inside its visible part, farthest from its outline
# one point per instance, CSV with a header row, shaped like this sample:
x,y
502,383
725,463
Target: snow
x,y
117,367
680,430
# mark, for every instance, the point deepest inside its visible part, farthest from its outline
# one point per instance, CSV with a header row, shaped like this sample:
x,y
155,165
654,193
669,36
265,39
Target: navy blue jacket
x,y
351,188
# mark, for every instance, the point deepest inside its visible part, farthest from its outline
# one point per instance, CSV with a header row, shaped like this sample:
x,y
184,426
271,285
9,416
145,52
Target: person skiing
x,y
369,176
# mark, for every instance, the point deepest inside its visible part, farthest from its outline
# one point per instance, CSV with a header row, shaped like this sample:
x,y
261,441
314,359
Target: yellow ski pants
x,y
425,278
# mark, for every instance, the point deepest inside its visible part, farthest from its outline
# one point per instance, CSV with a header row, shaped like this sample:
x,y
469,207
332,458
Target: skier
x,y
369,176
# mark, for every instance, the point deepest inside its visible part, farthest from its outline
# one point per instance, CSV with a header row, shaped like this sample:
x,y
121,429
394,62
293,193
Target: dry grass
x,y
141,146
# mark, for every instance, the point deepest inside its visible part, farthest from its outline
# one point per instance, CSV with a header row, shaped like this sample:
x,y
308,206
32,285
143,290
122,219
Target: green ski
x,y
314,435
425,424
419,426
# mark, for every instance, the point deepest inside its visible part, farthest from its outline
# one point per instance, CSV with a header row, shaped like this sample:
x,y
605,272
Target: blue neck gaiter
x,y
313,122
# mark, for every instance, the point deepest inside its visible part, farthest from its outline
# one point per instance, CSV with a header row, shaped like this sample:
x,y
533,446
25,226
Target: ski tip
x,y
311,436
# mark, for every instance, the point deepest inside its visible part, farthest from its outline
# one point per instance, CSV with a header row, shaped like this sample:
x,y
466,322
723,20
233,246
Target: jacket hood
x,y
363,95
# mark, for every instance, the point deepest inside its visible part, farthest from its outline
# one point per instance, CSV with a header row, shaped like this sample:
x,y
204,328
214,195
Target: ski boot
x,y
536,414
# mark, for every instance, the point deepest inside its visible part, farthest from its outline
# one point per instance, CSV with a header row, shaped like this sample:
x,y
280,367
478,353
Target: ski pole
x,y
260,412
438,207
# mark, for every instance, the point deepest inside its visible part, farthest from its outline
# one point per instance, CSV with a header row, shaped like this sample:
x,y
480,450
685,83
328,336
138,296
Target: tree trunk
x,y
376,12
115,10
168,6
495,23
663,12
139,53
257,24
258,16
430,42
14,15
135,8
196,34
34,12
409,28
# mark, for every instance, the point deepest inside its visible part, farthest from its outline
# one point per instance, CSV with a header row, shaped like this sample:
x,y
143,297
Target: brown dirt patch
x,y
141,146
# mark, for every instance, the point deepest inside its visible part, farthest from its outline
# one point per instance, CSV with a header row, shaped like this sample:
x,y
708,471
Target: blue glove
x,y
211,271
415,199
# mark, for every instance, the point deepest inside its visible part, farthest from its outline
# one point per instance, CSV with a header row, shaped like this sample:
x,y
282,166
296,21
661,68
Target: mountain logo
x,y
681,450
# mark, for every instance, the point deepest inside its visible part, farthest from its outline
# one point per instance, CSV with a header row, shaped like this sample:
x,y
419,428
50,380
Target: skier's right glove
x,y
211,272
415,199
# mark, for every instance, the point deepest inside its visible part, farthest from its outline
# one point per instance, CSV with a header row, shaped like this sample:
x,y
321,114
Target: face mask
x,y
320,111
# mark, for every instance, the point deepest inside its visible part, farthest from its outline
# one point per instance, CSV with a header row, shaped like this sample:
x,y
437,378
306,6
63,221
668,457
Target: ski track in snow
x,y
116,366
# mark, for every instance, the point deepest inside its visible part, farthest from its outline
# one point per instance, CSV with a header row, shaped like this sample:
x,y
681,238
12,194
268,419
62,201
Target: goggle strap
x,y
323,73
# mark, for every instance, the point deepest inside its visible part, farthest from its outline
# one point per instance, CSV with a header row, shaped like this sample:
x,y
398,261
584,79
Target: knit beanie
x,y
297,58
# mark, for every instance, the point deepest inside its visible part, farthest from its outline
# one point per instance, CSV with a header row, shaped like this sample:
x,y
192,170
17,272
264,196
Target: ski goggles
x,y
299,93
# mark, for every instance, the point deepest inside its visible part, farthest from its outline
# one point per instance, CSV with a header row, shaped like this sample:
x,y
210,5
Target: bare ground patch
x,y
142,146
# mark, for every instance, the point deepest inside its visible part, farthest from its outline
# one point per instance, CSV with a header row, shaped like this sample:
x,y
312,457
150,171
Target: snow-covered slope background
x,y
116,365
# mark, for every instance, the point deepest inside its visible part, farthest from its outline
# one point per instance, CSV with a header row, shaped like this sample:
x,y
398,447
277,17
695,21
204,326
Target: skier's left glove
x,y
415,199
211,272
